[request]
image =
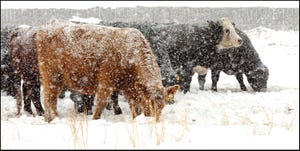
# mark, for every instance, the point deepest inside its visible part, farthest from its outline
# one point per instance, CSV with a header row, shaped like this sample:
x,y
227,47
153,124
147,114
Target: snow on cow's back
x,y
79,39
95,41
92,40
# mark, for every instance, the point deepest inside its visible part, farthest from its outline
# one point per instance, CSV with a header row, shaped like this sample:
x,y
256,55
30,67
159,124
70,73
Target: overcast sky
x,y
114,4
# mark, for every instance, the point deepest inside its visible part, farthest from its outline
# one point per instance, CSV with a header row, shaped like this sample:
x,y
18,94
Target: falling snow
x,y
227,119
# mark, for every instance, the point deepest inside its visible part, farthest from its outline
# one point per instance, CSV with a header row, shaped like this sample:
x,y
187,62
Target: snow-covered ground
x,y
227,119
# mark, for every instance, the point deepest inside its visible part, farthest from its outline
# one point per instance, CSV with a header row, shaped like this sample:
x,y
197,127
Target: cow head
x,y
258,78
154,98
229,36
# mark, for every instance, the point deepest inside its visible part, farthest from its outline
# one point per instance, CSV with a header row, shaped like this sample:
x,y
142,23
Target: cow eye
x,y
227,31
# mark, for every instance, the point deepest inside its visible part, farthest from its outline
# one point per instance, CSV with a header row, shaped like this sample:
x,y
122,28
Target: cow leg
x,y
109,104
31,92
201,81
82,102
78,100
36,96
187,81
103,94
215,74
27,95
239,77
17,92
11,90
132,108
88,103
115,103
135,108
52,89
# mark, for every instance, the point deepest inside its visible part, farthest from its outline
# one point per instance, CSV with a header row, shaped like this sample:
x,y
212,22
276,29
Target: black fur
x,y
239,61
179,47
8,75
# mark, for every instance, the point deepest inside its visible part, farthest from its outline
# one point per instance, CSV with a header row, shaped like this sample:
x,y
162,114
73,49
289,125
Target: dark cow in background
x,y
82,102
239,61
24,62
8,76
180,47
7,73
99,60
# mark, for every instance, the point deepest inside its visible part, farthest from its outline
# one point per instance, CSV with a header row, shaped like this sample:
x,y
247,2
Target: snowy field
x,y
227,119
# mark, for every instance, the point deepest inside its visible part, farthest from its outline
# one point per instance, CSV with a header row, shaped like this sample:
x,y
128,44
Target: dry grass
x,y
79,129
225,120
266,127
270,121
289,125
159,129
246,120
183,122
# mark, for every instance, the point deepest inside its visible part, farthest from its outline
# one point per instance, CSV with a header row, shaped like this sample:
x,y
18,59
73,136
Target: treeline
x,y
245,18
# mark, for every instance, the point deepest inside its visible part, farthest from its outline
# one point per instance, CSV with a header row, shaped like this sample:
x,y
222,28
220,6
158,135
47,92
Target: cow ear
x,y
140,87
210,23
171,92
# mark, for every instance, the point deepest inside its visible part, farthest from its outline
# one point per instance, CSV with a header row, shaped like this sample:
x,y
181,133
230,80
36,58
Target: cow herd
x,y
146,62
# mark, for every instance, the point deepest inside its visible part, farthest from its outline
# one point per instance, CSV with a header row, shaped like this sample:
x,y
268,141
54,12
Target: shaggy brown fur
x,y
98,59
24,62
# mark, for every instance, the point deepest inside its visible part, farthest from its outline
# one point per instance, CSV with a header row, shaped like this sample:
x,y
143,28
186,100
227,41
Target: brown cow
x,y
24,65
97,60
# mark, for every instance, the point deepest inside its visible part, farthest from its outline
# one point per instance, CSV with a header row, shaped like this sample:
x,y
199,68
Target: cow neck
x,y
148,69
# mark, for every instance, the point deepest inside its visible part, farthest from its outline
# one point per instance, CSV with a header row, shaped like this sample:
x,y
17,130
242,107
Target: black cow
x,y
239,61
180,47
8,75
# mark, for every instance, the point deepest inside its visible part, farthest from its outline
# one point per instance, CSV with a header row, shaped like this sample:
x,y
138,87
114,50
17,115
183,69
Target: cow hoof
x,y
40,113
244,89
29,111
118,111
47,118
109,106
89,112
185,91
96,117
214,89
18,114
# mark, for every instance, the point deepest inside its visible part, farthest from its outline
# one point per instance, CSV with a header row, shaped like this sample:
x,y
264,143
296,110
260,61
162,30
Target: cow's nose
x,y
240,41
